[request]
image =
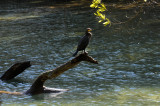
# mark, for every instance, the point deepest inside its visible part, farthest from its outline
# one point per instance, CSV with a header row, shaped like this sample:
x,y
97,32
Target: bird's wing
x,y
83,43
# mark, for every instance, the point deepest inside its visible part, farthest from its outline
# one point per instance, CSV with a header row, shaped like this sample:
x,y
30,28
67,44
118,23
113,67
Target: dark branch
x,y
14,70
37,87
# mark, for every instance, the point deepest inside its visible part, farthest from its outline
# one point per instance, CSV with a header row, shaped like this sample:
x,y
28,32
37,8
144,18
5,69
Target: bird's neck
x,y
89,34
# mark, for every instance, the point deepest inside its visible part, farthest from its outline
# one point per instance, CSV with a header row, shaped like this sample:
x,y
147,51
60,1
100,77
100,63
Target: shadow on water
x,y
128,53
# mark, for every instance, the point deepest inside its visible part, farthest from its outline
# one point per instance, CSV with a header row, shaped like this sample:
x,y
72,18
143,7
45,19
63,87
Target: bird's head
x,y
88,30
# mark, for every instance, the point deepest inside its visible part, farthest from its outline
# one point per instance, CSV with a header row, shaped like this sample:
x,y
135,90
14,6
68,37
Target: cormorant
x,y
83,43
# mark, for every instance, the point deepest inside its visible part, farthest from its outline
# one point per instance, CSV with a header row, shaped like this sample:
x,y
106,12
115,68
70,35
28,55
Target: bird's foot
x,y
85,52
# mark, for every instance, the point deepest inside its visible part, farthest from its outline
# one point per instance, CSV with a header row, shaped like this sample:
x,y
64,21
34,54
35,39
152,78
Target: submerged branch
x,y
11,93
15,70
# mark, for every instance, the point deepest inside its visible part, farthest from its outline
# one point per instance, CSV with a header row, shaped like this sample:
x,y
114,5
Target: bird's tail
x,y
75,53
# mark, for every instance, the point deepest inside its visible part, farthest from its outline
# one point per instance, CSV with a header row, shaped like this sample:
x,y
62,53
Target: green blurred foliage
x,y
101,8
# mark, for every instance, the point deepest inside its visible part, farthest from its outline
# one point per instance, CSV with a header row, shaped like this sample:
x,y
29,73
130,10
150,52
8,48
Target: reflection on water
x,y
128,69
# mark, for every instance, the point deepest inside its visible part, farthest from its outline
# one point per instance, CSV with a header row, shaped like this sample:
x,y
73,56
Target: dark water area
x,y
128,72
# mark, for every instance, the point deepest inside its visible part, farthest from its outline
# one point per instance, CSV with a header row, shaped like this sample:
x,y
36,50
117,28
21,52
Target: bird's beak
x,y
89,30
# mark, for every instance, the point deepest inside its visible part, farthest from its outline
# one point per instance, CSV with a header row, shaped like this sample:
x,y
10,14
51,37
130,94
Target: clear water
x,y
128,72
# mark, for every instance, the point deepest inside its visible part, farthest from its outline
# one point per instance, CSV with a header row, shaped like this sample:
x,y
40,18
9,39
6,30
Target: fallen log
x,y
15,70
37,87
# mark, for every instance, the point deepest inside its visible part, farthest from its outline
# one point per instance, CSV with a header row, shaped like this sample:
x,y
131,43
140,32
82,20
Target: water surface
x,y
128,55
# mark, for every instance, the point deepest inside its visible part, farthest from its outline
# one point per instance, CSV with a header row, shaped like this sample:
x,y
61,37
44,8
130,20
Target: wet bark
x,y
15,70
37,87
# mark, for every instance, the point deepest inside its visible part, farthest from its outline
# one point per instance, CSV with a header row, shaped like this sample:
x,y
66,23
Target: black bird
x,y
83,43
